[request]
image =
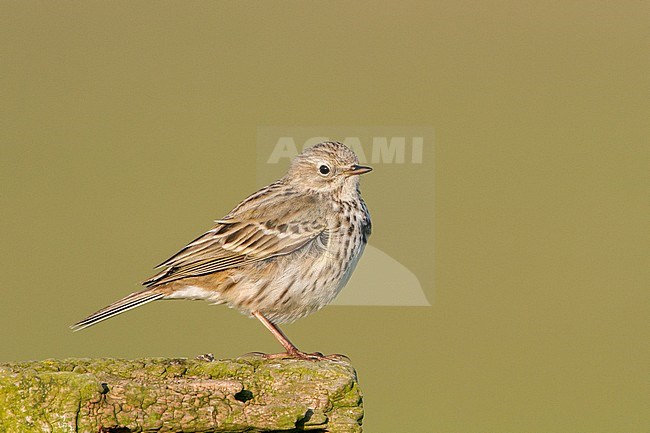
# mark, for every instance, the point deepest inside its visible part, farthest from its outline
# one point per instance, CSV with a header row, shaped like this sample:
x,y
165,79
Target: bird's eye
x,y
324,170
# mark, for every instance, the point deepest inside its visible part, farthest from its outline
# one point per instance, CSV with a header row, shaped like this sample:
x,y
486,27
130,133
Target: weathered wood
x,y
249,394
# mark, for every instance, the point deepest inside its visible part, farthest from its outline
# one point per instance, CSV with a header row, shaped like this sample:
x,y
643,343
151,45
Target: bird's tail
x,y
133,300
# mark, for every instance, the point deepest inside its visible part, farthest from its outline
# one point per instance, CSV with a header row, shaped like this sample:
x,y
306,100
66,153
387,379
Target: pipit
x,y
285,252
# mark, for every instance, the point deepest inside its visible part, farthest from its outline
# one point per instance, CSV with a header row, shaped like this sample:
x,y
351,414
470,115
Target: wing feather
x,y
238,241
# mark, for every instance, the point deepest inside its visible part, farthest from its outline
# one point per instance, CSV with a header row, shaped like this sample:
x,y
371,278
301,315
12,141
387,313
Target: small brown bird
x,y
284,252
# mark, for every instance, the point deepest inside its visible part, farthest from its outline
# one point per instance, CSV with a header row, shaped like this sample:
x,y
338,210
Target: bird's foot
x,y
338,357
298,354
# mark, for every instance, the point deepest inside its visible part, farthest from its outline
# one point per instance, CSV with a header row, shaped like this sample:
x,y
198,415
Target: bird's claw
x,y
297,354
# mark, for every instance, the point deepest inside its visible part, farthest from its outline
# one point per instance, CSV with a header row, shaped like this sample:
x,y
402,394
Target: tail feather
x,y
132,301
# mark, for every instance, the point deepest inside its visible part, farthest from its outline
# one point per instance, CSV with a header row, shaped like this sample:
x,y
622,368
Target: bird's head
x,y
328,167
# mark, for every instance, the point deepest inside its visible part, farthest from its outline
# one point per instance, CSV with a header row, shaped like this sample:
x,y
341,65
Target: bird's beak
x,y
358,169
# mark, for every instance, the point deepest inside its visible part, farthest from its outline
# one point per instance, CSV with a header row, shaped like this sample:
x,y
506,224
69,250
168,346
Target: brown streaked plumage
x,y
281,254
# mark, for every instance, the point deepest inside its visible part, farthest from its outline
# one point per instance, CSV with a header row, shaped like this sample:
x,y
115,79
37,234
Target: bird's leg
x,y
292,350
277,333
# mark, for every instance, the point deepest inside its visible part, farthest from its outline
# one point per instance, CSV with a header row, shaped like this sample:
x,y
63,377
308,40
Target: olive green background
x,y
128,126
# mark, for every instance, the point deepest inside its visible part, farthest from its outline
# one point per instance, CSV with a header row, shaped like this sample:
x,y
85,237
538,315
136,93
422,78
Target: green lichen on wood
x,y
247,394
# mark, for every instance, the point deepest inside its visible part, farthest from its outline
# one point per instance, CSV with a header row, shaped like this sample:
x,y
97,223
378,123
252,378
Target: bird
x,y
281,254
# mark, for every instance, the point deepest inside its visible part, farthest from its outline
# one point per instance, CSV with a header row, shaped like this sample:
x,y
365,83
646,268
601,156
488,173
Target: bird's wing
x,y
236,241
